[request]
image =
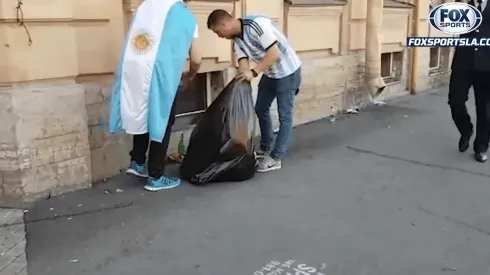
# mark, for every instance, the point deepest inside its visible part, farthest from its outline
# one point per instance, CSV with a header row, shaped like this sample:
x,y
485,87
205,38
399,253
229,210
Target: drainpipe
x,y
374,83
129,7
415,51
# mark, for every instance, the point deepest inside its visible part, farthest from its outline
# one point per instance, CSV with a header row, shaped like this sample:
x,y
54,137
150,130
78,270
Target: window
x,y
435,58
435,3
385,65
391,66
439,60
192,102
194,98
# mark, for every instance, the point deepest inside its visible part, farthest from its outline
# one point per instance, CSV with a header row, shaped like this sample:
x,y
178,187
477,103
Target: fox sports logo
x,y
455,18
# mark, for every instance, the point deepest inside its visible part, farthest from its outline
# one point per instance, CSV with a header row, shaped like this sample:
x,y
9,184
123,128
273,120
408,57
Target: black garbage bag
x,y
221,146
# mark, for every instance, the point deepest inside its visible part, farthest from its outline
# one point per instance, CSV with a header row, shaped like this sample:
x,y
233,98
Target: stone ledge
x,y
55,139
44,149
108,153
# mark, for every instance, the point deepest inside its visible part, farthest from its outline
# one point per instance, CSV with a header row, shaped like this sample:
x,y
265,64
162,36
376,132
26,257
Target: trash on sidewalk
x,y
181,146
108,192
221,145
180,155
175,158
353,111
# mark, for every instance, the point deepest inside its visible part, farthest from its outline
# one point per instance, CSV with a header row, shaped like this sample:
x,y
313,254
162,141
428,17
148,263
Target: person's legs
x,y
265,97
286,89
481,87
459,85
138,156
156,160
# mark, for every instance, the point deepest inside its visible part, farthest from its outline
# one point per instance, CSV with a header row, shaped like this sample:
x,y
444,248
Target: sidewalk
x,y
384,192
12,242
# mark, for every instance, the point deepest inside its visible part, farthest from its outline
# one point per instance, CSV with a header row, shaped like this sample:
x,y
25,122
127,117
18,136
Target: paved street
x,y
383,192
12,242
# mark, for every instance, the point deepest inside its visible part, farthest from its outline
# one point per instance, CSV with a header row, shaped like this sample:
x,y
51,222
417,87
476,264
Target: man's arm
x,y
243,64
264,31
195,57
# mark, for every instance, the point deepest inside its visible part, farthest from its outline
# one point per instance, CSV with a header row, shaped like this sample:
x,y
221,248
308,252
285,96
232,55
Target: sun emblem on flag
x,y
143,42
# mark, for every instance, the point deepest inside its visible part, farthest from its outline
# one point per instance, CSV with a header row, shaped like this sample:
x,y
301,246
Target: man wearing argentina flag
x,y
160,39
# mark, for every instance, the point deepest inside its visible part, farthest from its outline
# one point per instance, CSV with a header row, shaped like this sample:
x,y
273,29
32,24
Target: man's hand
x,y
189,75
246,75
187,79
243,65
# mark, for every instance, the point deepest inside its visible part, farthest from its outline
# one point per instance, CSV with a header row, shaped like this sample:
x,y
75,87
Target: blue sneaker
x,y
137,170
162,183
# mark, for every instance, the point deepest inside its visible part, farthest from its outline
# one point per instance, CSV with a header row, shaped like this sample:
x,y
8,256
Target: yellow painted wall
x,y
74,38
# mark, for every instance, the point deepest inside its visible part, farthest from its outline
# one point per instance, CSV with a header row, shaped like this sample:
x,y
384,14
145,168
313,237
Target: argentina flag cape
x,y
150,69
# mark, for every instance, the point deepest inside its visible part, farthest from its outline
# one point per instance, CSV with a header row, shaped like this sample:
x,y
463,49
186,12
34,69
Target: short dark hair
x,y
217,16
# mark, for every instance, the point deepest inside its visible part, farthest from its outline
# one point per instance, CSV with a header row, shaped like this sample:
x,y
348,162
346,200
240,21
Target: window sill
x,y
185,122
397,4
391,81
314,3
436,71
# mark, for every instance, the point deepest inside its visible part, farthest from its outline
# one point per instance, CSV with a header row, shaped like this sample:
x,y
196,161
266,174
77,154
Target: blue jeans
x,y
284,89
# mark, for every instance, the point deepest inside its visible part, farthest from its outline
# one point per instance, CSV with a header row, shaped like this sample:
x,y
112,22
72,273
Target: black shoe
x,y
464,142
481,157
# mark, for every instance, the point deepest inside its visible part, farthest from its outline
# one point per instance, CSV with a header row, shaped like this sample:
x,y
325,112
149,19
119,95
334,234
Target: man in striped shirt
x,y
256,38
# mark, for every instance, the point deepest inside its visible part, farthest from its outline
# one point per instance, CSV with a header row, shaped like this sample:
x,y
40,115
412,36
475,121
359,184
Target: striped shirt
x,y
259,34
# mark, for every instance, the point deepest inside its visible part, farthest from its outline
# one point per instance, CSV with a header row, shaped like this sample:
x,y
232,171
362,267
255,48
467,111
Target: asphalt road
x,y
383,192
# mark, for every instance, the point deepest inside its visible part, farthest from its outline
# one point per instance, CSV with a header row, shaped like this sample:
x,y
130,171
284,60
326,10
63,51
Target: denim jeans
x,y
284,90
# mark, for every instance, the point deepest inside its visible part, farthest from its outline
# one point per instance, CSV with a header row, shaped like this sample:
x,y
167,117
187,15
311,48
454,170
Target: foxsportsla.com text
x,y
447,42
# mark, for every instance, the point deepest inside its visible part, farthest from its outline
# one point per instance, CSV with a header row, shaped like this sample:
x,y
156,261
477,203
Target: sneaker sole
x,y
155,189
269,169
134,173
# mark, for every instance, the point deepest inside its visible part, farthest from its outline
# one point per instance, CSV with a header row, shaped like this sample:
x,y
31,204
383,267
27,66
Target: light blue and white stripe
x,y
147,78
288,62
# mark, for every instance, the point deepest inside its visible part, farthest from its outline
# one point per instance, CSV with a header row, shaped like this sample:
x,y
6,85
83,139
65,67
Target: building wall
x,y
55,92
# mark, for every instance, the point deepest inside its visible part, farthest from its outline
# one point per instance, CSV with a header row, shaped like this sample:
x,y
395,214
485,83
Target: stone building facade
x,y
57,59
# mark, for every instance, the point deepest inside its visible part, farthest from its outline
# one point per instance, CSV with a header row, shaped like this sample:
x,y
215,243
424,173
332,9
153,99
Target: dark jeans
x,y
459,85
284,90
158,150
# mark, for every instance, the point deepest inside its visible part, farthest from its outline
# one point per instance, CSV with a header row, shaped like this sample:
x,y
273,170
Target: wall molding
x,y
310,3
397,11
57,21
205,7
300,11
131,5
